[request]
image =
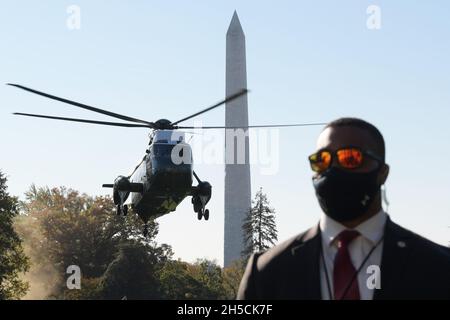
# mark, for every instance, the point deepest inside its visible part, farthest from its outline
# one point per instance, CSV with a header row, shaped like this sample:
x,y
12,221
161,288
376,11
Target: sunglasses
x,y
347,158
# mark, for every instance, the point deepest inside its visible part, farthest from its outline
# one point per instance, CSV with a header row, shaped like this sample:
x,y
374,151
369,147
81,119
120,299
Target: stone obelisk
x,y
237,172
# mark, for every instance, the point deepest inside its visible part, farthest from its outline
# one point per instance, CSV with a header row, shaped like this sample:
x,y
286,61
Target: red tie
x,y
344,271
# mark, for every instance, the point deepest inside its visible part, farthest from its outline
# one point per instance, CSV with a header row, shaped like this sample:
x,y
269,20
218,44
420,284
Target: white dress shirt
x,y
371,232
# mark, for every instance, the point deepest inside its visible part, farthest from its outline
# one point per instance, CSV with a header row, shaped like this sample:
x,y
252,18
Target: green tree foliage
x,y
231,278
132,274
209,274
177,283
182,280
89,290
259,228
62,227
12,258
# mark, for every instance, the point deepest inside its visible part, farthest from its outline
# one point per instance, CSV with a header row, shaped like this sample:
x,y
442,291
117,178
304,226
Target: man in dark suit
x,y
355,252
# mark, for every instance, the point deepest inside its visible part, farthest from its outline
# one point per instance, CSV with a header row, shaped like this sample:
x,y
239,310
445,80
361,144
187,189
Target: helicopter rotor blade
x,y
83,106
115,124
256,126
218,104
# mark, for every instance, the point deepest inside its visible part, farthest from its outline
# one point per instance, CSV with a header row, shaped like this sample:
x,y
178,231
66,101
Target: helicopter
x,y
158,184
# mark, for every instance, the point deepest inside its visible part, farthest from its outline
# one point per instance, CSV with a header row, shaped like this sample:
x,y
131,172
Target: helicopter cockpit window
x,y
162,150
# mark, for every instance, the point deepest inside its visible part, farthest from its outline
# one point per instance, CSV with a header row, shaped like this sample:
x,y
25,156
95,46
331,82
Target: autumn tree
x,y
187,281
177,284
13,261
209,275
62,227
231,278
259,228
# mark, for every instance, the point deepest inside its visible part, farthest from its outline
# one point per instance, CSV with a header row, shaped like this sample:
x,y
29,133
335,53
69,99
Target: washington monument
x,y
237,171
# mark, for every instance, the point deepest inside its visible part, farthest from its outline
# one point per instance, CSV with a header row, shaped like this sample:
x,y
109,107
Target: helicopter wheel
x,y
206,214
125,210
145,230
118,210
199,215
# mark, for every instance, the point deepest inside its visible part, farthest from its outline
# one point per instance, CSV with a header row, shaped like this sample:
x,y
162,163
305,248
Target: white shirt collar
x,y
371,229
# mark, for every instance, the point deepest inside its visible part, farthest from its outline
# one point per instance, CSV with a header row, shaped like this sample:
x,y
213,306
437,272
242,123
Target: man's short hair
x,y
370,128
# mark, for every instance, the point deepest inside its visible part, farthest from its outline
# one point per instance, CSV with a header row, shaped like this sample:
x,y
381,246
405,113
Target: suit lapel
x,y
396,248
307,274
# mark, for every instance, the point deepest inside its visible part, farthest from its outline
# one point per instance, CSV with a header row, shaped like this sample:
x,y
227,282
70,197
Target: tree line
x,y
52,229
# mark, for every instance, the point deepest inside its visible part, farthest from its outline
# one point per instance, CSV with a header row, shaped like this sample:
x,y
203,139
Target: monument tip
x,y
235,24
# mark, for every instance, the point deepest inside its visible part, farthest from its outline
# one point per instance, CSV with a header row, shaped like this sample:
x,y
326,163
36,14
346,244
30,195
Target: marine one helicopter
x,y
158,184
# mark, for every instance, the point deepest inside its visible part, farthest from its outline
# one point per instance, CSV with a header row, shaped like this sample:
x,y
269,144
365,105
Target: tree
x,y
13,261
259,228
209,274
232,276
178,284
89,290
200,280
62,227
132,274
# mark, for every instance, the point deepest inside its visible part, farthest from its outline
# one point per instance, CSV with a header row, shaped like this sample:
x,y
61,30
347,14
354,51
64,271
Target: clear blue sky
x,y
307,61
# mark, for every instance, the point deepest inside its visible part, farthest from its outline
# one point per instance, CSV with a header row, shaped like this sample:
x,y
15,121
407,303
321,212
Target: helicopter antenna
x,y
196,177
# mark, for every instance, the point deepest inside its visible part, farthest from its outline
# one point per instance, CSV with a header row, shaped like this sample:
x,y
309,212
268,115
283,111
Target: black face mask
x,y
345,195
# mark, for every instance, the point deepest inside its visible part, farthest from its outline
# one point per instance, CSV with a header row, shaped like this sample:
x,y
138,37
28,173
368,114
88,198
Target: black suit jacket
x,y
412,267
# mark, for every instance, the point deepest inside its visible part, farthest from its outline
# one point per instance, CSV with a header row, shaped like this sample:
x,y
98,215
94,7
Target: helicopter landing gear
x,y
122,210
145,232
200,197
202,212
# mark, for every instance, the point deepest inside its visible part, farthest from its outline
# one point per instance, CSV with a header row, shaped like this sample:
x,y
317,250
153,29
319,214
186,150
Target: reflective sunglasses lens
x,y
320,161
350,158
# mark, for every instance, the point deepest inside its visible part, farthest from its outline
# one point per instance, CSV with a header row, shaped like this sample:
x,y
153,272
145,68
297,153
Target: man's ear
x,y
382,176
